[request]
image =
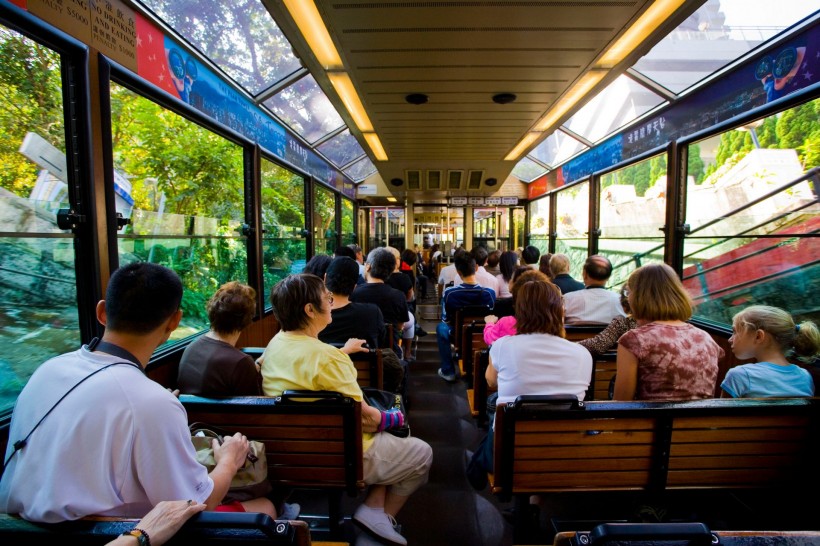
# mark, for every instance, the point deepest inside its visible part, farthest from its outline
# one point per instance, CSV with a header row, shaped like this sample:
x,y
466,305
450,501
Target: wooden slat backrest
x,y
605,446
481,390
369,368
308,444
605,368
472,339
579,332
464,316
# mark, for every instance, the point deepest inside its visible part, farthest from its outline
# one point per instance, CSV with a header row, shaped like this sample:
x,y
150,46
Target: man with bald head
x,y
595,304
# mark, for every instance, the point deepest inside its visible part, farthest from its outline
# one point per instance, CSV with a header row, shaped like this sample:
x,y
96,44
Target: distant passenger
x,y
349,253
665,358
595,304
507,264
492,263
767,334
212,365
537,360
448,276
116,442
607,340
380,265
559,266
530,256
404,284
544,265
296,359
469,293
482,277
318,265
358,256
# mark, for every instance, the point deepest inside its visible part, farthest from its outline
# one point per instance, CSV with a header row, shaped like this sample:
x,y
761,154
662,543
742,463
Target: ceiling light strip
x,y
525,143
310,23
344,87
376,146
647,23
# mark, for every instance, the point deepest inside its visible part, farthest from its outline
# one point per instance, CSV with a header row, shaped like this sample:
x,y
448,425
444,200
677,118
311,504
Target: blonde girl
x,y
769,334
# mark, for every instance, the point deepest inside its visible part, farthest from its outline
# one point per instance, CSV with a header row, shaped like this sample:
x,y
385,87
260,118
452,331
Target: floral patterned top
x,y
675,362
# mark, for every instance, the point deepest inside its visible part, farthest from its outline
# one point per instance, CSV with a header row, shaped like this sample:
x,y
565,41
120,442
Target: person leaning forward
x,y
119,443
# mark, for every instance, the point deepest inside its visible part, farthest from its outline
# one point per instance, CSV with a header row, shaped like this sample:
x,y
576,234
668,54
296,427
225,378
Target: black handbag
x,y
385,401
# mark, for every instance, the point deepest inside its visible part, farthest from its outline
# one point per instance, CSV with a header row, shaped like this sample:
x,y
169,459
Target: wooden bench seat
x,y
312,440
578,332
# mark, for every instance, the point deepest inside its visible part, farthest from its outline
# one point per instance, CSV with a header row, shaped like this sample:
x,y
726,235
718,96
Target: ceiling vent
x,y
474,180
454,180
434,180
413,179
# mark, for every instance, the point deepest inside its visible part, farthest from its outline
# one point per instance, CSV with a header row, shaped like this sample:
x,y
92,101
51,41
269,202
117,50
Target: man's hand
x,y
234,450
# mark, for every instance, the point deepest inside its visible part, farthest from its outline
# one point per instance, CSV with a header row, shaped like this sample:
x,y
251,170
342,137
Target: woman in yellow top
x,y
296,359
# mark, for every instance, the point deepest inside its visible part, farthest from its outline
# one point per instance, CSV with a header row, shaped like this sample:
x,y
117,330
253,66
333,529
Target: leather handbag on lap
x,y
250,481
389,402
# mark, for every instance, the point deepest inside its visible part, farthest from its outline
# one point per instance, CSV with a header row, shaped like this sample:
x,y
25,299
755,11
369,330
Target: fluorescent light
x,y
313,29
528,139
570,99
647,23
392,199
344,87
375,145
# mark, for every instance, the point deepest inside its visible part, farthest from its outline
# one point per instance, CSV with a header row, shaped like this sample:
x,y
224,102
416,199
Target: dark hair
x,y
408,256
493,258
530,255
598,267
318,265
345,251
342,275
480,255
539,309
465,264
507,264
290,295
232,307
544,264
141,296
382,263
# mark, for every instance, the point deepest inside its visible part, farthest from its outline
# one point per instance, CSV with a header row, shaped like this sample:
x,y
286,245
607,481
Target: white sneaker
x,y
379,524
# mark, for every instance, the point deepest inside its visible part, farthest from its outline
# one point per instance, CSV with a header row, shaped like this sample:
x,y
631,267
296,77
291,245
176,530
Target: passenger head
x,y
408,256
530,255
141,297
656,293
544,265
493,258
479,255
357,251
396,254
318,265
597,268
507,264
342,275
231,308
624,299
345,251
524,274
779,324
559,264
465,264
380,263
294,296
539,308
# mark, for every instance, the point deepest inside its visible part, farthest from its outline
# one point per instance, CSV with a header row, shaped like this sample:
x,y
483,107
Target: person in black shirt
x,y
393,304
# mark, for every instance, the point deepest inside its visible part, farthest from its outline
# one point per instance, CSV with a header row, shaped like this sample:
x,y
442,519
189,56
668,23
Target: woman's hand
x,y
490,319
165,519
354,345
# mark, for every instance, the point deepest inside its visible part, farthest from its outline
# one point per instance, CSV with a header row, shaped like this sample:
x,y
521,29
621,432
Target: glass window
x,y
361,169
573,224
341,149
528,170
182,187
284,247
540,224
715,35
306,109
387,225
324,221
240,37
738,253
38,294
348,220
622,101
491,228
557,148
633,211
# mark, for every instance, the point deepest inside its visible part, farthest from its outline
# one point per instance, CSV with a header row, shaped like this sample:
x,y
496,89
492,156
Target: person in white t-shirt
x,y
595,304
118,443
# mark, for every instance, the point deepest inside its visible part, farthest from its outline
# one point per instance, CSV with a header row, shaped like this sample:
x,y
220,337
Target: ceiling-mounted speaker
x,y
491,182
396,181
434,180
474,180
413,179
454,180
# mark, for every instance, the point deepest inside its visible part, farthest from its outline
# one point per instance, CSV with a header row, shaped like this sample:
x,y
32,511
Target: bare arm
x,y
371,418
230,456
491,375
162,522
626,382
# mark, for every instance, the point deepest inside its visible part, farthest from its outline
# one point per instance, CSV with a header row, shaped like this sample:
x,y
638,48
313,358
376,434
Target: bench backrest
x,y
579,332
369,368
654,446
312,440
603,370
203,529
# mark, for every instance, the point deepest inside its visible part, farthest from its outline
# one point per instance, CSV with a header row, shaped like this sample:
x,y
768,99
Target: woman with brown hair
x,y
536,360
664,358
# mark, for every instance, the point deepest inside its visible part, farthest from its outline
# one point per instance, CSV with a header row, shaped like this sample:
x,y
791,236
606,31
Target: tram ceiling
x,y
459,55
